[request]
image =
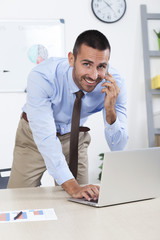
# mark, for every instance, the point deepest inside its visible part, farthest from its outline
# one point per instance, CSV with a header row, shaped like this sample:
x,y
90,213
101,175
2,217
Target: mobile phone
x,y
107,70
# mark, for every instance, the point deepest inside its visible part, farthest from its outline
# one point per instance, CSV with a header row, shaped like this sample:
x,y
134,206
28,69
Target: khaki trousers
x,y
28,165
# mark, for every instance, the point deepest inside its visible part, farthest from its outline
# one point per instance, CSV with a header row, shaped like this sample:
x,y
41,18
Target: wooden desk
x,y
134,221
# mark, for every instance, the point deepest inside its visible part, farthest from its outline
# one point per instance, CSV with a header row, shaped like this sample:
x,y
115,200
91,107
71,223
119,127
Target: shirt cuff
x,y
63,175
113,128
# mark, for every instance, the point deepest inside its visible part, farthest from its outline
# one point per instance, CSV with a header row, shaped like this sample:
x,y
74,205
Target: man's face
x,y
89,68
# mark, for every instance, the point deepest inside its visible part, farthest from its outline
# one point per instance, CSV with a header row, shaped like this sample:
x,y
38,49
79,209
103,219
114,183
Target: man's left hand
x,y
111,89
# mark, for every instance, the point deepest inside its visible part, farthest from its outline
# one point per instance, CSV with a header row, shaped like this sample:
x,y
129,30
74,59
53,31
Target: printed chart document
x,y
28,215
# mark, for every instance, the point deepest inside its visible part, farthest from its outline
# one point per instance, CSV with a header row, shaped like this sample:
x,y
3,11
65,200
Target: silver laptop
x,y
128,176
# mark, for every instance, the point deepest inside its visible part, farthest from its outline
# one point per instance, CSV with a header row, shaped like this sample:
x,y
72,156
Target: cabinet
x,y
153,132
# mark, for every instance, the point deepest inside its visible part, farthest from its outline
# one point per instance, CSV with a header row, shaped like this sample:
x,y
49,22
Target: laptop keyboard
x,y
92,200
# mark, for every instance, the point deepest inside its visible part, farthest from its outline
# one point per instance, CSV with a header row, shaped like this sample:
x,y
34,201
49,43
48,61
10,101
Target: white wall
x,y
126,56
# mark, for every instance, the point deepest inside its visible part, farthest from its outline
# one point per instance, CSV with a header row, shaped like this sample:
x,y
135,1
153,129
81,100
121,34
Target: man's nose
x,y
94,74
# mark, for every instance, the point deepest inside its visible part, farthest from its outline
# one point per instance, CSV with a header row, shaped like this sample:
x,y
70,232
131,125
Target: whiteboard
x,y
23,45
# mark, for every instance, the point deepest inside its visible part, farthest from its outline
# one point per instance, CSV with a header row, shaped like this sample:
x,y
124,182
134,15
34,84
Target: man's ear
x,y
71,59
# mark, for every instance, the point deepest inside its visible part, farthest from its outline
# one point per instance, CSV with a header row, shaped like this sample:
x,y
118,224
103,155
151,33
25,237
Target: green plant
x,y
157,33
101,155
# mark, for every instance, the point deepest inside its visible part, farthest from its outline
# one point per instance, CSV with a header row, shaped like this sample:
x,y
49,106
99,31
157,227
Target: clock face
x,y
109,11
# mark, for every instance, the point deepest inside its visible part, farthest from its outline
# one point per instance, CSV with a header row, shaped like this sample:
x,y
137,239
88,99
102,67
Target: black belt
x,y
81,129
24,116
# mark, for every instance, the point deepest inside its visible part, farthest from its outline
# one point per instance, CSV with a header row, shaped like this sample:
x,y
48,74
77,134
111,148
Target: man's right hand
x,y
76,191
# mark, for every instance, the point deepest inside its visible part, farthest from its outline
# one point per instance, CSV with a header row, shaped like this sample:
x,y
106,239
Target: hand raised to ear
x,y
111,89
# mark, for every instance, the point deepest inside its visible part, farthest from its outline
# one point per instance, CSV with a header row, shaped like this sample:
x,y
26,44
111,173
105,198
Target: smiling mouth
x,y
90,82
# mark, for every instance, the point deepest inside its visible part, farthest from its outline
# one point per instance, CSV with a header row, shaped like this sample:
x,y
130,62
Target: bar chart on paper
x,y
28,215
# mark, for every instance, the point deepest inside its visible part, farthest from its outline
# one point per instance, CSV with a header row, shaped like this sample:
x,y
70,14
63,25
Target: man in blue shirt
x,y
43,134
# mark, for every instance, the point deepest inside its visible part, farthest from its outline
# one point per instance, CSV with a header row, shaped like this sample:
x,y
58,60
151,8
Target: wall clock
x,y
108,11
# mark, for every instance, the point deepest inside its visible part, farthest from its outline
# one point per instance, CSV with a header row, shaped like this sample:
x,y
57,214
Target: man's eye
x,y
86,64
102,66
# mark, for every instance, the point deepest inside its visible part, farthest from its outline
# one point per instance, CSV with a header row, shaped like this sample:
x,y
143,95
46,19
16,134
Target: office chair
x,y
4,180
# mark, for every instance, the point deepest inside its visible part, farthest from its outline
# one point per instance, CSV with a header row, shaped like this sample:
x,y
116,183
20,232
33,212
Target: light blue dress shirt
x,y
49,105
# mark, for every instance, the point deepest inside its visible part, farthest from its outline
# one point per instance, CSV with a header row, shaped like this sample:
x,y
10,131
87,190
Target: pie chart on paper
x,y
37,53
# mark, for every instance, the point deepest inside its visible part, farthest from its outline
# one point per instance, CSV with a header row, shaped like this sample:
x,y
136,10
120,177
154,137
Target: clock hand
x,y
109,6
107,3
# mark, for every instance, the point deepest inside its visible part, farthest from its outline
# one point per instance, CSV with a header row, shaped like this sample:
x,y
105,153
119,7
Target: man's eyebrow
x,y
104,63
89,61
86,60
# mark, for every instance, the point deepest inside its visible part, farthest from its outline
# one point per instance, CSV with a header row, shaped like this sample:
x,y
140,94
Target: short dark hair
x,y
91,38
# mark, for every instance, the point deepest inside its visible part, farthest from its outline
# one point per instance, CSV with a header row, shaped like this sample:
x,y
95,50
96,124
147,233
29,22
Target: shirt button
x,y
112,143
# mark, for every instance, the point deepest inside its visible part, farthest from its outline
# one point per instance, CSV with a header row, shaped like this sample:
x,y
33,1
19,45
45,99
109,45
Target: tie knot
x,y
79,94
